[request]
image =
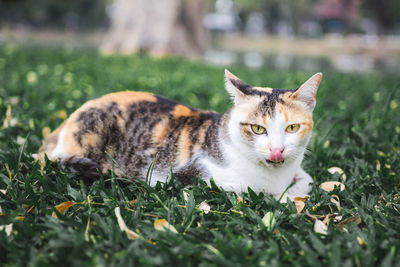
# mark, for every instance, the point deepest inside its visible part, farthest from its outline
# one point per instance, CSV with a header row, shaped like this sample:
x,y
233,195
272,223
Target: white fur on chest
x,y
241,173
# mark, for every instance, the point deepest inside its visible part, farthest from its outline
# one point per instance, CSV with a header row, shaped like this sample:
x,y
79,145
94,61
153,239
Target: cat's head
x,y
271,127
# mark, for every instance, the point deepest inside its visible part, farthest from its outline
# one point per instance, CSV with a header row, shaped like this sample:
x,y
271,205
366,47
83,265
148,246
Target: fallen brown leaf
x,y
129,233
63,207
300,203
338,170
342,226
330,185
320,227
163,225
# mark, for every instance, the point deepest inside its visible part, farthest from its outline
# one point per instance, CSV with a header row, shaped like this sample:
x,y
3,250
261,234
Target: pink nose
x,y
276,154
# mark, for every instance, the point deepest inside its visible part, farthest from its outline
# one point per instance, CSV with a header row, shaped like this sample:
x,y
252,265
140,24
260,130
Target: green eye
x,y
292,128
257,129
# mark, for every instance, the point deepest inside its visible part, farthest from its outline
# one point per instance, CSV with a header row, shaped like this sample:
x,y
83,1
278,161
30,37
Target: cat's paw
x,y
283,198
88,168
302,185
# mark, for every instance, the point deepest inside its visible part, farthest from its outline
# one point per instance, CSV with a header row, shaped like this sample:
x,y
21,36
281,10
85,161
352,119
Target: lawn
x,y
357,128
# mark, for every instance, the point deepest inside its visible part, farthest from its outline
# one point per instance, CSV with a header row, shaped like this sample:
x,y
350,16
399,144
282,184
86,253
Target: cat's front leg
x,y
301,188
302,185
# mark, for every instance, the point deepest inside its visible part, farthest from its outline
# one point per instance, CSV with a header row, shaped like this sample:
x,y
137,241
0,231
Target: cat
x,y
258,143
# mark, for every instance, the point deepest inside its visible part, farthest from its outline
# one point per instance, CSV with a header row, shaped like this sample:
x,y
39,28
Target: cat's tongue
x,y
276,155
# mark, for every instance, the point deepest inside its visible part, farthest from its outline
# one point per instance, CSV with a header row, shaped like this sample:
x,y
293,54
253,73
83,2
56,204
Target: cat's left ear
x,y
236,88
307,92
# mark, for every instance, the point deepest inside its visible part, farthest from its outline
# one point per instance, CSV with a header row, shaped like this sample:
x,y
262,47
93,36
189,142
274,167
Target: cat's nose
x,y
276,154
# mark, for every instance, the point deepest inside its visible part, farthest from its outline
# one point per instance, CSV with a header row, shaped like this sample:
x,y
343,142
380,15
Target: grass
x,y
357,128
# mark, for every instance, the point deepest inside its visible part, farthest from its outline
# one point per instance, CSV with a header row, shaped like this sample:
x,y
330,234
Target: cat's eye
x,y
292,128
257,129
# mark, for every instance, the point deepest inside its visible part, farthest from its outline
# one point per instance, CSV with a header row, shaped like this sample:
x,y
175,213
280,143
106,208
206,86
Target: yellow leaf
x,y
129,233
361,241
338,170
378,165
163,225
30,209
300,203
330,185
62,207
7,120
62,114
9,172
320,227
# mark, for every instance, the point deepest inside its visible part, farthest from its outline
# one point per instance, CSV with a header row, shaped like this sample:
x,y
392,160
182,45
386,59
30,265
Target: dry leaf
x,y
204,207
336,200
239,199
14,100
7,228
338,170
186,196
361,241
330,185
4,192
129,233
163,225
62,114
20,140
327,219
342,226
320,227
30,209
337,218
300,203
132,203
7,120
378,165
269,220
62,207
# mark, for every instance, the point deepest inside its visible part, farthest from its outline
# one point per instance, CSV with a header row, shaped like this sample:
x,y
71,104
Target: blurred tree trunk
x,y
158,26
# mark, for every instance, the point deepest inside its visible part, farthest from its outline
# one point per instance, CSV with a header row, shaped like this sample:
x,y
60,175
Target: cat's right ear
x,y
236,88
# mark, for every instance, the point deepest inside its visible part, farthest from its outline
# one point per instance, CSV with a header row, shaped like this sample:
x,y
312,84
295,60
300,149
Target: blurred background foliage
x,y
90,14
70,14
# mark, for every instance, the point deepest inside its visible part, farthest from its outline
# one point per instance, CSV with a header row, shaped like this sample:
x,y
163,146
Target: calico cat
x,y
258,143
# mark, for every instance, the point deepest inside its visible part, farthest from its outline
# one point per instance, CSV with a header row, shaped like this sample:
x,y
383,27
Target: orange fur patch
x,y
183,147
286,97
90,140
123,99
181,111
264,89
159,131
283,110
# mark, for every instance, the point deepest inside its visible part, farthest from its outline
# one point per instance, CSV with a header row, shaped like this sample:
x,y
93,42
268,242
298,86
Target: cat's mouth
x,y
275,163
